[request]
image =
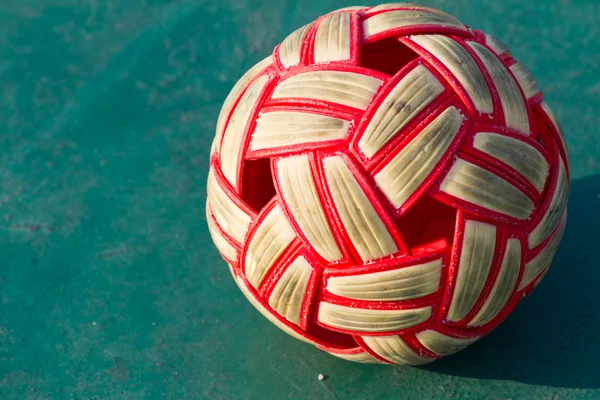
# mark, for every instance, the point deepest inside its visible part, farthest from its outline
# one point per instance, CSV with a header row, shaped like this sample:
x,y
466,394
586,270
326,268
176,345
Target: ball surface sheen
x,y
388,184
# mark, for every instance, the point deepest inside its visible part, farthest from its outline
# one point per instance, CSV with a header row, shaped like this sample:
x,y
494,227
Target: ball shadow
x,y
553,337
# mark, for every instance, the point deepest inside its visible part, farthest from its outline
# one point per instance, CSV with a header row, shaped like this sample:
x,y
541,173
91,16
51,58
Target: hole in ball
x,y
336,339
428,225
387,56
541,132
257,183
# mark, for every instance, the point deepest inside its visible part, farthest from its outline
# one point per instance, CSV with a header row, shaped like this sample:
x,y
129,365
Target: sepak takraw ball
x,y
388,184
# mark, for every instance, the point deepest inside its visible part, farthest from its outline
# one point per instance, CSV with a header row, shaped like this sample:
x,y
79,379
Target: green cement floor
x,y
110,287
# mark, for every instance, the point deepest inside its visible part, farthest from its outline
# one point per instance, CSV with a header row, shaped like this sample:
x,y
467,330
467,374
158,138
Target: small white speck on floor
x,y
321,377
94,323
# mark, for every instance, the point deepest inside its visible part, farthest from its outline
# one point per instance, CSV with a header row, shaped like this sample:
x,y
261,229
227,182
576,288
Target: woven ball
x,y
388,184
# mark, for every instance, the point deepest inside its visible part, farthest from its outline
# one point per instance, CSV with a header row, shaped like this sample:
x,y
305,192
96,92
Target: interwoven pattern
x,y
388,184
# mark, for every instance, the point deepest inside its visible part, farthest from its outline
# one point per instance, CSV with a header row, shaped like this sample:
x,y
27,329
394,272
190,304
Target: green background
x,y
110,287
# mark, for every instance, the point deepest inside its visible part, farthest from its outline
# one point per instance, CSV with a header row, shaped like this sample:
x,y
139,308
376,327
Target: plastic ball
x,y
388,184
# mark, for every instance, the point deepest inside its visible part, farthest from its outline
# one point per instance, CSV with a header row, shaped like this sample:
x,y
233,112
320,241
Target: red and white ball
x,y
388,184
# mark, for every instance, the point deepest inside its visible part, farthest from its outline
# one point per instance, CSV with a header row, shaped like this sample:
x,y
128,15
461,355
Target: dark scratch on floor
x,y
110,253
119,371
32,228
329,389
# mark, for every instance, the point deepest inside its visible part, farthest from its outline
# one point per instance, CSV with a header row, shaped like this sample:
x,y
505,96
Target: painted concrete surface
x,y
110,287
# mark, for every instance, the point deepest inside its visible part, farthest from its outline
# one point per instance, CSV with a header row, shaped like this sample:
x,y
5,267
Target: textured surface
x,y
366,160
108,113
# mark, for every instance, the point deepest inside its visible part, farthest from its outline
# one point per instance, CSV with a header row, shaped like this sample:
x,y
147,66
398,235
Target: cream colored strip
x,y
395,350
526,80
556,124
285,128
441,344
419,7
398,284
289,292
300,195
513,105
270,239
247,77
364,226
333,41
496,45
348,88
461,65
350,8
481,187
389,6
232,139
225,248
515,153
404,18
410,96
407,171
232,219
555,211
369,320
503,286
291,47
476,256
362,357
263,310
544,258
